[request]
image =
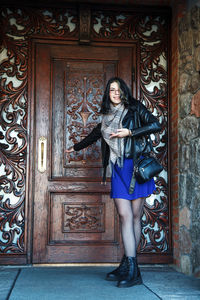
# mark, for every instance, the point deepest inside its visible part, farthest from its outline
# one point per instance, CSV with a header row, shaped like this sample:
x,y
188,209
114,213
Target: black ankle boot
x,y
118,273
132,276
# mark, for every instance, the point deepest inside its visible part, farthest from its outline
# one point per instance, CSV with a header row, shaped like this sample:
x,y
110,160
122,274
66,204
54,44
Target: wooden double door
x,y
74,218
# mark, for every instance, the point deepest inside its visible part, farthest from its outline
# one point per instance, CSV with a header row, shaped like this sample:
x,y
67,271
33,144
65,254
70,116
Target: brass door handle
x,y
42,154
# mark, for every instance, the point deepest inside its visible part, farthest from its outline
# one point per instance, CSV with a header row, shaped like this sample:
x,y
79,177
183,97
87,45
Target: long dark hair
x,y
125,94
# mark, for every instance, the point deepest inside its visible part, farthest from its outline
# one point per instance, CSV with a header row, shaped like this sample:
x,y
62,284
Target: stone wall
x,y
189,141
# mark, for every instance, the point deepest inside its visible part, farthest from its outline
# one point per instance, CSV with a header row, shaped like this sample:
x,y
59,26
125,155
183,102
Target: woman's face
x,y
114,93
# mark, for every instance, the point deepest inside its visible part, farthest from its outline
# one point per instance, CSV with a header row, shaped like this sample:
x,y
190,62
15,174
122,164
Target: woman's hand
x,y
71,149
123,132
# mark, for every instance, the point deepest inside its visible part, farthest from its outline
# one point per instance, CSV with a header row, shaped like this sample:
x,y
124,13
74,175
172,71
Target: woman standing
x,y
125,123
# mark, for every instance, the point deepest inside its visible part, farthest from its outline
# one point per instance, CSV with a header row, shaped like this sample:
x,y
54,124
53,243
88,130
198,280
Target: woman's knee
x,y
138,209
125,215
136,215
124,210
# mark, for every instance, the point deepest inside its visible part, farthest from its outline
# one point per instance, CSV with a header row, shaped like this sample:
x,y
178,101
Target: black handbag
x,y
145,168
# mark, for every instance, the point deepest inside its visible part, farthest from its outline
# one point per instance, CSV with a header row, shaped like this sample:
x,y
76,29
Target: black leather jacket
x,y
139,120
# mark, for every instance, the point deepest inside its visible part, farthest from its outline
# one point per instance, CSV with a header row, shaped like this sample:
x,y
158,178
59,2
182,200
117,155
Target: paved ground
x,y
42,283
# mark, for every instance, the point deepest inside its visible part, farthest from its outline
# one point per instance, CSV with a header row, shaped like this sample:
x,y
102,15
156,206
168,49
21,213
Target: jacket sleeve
x,y
91,138
150,124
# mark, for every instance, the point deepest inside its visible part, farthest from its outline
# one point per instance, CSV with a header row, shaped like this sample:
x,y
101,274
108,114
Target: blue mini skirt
x,y
120,182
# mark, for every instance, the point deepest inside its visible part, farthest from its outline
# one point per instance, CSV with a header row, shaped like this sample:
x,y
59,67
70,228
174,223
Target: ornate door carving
x,y
148,29
74,217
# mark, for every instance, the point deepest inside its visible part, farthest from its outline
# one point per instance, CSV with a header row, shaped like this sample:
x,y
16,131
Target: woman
x,y
125,123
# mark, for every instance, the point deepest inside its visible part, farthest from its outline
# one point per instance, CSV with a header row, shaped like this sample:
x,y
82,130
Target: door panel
x,y
74,217
81,217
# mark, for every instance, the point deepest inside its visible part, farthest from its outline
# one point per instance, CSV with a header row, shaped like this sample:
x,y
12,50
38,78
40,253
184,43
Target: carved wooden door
x,y
74,217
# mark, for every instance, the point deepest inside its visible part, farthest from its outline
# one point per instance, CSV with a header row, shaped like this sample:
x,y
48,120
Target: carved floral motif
x,y
16,27
83,98
80,217
151,34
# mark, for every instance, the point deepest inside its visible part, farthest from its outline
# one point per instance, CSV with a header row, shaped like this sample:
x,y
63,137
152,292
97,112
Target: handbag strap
x,y
152,152
132,184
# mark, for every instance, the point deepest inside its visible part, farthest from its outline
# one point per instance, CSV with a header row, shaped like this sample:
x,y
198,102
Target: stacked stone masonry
x,y
189,141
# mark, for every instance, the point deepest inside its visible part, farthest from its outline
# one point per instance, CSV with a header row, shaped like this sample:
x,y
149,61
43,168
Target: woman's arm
x,y
151,124
94,135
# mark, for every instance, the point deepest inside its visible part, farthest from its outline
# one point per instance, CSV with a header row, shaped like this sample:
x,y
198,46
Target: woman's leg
x,y
124,209
137,206
130,217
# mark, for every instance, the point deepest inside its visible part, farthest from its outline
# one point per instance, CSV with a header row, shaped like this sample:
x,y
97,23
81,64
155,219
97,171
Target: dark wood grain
x,y
74,211
121,46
